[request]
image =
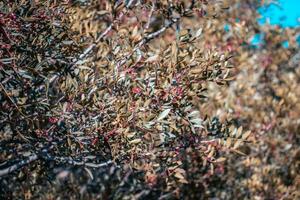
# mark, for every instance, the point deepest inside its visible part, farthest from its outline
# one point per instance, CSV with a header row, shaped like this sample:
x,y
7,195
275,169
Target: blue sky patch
x,y
286,13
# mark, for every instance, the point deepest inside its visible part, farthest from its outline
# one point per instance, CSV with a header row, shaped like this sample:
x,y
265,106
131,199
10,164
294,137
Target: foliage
x,y
146,99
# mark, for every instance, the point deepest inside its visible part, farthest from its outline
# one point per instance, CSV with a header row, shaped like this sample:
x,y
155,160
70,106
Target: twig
x,y
150,15
12,101
70,161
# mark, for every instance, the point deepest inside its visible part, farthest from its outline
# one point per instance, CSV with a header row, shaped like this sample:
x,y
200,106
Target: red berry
x,y
136,90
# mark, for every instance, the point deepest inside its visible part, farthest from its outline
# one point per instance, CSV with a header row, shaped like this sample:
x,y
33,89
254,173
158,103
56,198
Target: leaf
x,y
179,175
174,52
163,114
147,103
221,159
196,121
198,33
211,153
102,12
65,105
67,42
130,135
135,141
232,131
194,113
183,181
152,58
246,135
228,142
237,144
239,152
239,132
211,168
149,124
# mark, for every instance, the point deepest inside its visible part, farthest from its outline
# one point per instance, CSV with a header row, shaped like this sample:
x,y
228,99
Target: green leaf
x,y
163,114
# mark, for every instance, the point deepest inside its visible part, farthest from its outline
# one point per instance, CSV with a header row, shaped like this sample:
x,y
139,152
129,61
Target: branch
x,y
47,157
18,165
70,161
